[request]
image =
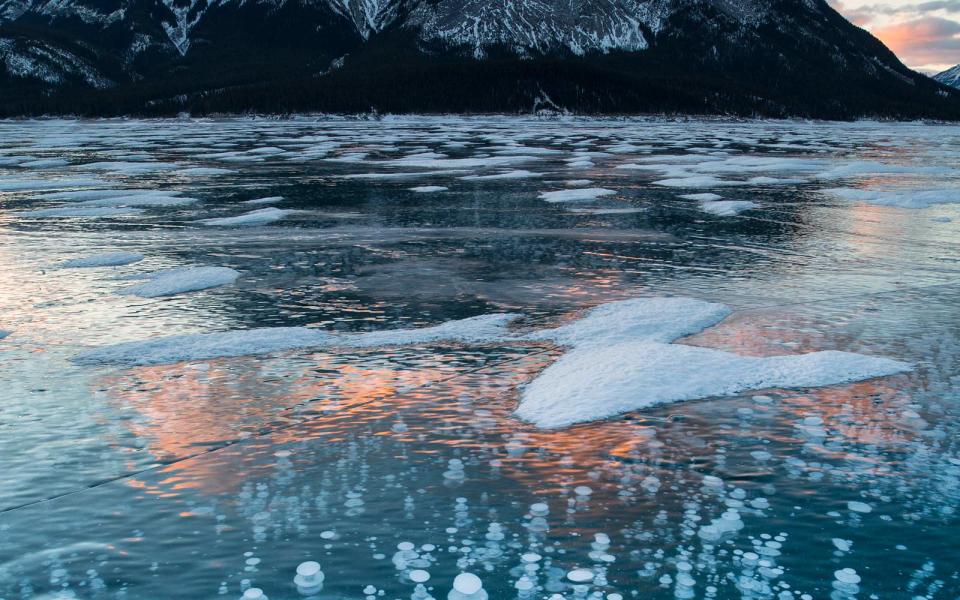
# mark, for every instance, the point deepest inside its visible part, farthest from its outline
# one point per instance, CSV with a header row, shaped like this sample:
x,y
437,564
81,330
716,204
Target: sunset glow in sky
x,y
924,34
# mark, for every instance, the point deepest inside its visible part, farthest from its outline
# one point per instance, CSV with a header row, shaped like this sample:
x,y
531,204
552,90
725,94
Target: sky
x,y
925,34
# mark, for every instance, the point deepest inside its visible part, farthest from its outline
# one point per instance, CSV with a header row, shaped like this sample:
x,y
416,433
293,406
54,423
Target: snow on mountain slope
x,y
48,64
950,77
540,25
368,16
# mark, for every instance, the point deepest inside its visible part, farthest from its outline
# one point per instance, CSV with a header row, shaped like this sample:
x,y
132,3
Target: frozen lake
x,y
604,359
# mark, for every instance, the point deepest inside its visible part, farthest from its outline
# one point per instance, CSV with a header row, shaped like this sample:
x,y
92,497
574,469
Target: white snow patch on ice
x,y
252,218
707,197
697,181
597,382
179,281
606,211
727,208
576,195
640,319
902,199
431,162
622,359
260,201
203,172
87,211
167,350
24,185
429,189
106,259
516,174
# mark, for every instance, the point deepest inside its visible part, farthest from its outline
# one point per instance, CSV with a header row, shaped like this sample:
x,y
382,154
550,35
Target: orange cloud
x,y
923,41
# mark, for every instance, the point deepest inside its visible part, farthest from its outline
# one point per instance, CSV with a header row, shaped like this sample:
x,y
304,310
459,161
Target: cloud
x,y
925,34
923,41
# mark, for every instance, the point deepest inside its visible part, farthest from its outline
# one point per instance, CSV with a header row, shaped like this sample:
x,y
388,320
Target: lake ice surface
x,y
374,431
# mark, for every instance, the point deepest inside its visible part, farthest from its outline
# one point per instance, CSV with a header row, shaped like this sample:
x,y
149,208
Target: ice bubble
x,y
524,584
539,509
582,490
847,575
530,557
467,585
405,546
327,535
253,594
419,576
580,575
859,507
841,544
309,577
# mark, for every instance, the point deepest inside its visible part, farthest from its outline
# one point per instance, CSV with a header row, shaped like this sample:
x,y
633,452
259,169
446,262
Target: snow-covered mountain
x,y
950,77
747,56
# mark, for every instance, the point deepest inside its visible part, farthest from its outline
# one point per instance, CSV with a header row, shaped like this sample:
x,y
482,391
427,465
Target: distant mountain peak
x,y
950,77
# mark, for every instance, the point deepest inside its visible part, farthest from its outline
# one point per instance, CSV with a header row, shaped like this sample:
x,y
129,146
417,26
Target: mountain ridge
x,y
743,57
950,77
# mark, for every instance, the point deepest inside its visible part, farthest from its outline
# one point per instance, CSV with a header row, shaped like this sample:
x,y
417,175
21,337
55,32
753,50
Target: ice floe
x,y
204,346
107,259
596,382
262,201
705,197
179,281
697,181
727,208
81,211
576,195
203,172
622,359
252,218
606,211
433,161
901,198
429,189
516,174
25,185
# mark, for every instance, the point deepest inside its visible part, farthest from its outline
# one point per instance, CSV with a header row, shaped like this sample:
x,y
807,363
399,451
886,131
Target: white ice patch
x,y
107,259
517,174
641,319
902,199
24,185
263,201
707,197
597,382
606,211
168,350
429,161
576,195
869,168
141,200
727,208
128,167
81,211
429,189
203,172
622,359
252,218
179,281
697,181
